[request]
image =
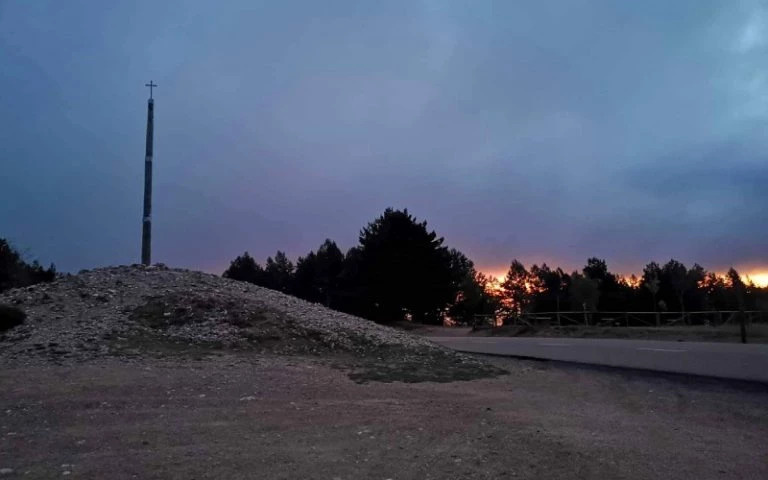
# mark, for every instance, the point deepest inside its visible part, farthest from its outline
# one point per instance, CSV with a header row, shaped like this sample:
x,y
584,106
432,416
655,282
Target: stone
x,y
184,307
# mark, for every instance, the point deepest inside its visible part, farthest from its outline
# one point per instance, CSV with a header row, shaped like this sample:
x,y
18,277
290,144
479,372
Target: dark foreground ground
x,y
243,417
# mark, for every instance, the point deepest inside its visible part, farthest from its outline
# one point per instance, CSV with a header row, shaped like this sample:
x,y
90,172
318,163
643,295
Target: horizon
x,y
758,276
624,131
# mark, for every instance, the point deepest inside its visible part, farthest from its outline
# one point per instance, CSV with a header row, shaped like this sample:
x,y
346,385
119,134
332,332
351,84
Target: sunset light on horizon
x,y
760,278
757,276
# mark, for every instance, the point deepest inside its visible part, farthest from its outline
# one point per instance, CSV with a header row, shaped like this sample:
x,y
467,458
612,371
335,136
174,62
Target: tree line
x,y
671,287
401,270
16,272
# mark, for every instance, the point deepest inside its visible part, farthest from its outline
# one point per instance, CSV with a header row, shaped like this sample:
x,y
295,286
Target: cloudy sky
x,y
539,130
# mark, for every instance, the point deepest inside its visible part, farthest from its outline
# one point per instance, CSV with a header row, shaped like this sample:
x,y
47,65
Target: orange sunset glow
x,y
758,277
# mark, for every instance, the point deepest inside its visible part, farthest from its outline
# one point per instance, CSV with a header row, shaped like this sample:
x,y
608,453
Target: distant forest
x,y
16,272
400,270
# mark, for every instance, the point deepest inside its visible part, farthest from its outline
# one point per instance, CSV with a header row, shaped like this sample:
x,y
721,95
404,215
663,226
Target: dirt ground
x,y
254,416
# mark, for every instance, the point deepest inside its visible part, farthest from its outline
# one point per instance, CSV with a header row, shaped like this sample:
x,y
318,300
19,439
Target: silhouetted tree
x,y
460,267
401,270
694,295
404,270
597,270
330,262
675,276
715,292
15,272
652,283
473,296
479,297
317,275
278,272
757,297
518,288
738,289
305,283
553,285
614,295
10,262
245,268
350,295
584,293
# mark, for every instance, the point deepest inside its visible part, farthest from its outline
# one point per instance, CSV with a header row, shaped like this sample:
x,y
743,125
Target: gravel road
x,y
257,416
725,360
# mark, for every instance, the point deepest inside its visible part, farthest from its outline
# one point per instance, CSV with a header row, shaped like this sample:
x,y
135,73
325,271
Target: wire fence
x,y
622,319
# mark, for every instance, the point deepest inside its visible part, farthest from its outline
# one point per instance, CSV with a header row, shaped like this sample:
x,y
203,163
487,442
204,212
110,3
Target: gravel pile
x,y
98,312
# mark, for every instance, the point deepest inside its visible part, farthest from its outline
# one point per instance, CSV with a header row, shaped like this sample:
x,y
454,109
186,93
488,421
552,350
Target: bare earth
x,y
157,373
251,415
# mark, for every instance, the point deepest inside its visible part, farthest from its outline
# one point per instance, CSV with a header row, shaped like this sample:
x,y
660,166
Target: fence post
x,y
658,319
626,319
559,324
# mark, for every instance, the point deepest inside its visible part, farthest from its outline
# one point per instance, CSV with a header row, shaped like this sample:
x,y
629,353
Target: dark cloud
x,y
711,199
547,132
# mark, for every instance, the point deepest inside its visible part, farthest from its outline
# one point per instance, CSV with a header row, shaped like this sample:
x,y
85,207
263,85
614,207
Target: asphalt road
x,y
724,360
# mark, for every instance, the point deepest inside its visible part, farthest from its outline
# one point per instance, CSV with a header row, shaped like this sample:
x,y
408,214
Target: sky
x,y
547,131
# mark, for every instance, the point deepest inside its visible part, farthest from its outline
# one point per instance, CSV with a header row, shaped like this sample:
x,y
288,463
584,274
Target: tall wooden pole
x,y
146,231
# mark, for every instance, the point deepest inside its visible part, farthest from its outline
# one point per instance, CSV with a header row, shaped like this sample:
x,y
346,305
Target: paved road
x,y
725,360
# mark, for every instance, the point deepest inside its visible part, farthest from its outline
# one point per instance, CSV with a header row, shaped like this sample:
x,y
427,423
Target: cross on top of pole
x,y
151,86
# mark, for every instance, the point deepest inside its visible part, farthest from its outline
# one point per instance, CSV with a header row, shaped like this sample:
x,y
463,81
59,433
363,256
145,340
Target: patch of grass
x,y
263,331
397,364
10,317
157,346
176,309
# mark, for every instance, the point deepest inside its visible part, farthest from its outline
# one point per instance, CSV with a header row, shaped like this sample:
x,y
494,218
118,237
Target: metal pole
x,y
146,233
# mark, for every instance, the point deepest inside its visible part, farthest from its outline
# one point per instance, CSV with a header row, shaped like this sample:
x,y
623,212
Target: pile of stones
x,y
91,314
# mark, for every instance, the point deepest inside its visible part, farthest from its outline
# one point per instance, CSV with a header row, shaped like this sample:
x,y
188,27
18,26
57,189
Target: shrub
x,y
15,272
10,316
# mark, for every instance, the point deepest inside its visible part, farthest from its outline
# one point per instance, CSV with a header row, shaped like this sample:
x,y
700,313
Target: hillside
x,y
131,312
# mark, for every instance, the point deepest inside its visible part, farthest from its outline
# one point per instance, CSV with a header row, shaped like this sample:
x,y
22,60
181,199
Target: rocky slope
x,y
133,311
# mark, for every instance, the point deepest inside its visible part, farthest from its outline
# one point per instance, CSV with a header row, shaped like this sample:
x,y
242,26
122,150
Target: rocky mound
x,y
136,311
